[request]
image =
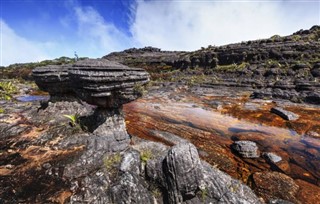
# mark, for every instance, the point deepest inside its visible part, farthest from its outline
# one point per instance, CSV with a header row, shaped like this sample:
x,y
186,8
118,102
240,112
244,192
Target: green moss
x,y
1,110
7,89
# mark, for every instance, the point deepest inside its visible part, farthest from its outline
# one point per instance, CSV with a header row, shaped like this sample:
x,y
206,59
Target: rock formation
x,y
53,79
105,83
279,67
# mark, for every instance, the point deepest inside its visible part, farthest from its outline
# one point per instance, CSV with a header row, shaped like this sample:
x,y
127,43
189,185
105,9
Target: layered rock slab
x,y
53,79
105,83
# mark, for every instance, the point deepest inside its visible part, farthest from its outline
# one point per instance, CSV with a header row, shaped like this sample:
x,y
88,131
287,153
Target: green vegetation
x,y
7,89
74,119
112,161
1,110
273,63
204,194
145,155
139,89
232,67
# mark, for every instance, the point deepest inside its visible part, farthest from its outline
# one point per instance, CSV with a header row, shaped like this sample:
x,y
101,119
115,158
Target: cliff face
x,y
279,67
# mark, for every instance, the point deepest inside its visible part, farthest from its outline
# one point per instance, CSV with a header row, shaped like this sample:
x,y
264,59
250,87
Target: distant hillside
x,y
278,67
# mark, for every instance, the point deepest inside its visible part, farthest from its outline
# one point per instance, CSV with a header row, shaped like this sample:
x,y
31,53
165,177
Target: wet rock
x,y
53,79
131,189
279,201
246,149
271,157
271,185
219,187
313,97
308,193
105,83
287,115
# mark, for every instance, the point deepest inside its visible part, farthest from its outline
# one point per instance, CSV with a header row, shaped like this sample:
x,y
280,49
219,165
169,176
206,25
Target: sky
x,y
35,30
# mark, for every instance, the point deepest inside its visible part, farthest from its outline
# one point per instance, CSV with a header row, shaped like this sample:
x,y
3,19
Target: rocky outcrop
x,y
53,79
279,67
105,83
186,179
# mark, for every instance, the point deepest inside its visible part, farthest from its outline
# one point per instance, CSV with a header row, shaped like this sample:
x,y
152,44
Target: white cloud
x,y
98,36
16,49
188,25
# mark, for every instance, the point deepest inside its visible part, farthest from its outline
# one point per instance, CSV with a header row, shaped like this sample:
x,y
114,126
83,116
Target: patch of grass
x,y
1,110
140,89
7,89
112,161
273,63
232,67
203,194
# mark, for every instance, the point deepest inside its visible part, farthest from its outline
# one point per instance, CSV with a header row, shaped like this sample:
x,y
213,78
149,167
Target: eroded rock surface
x,y
105,83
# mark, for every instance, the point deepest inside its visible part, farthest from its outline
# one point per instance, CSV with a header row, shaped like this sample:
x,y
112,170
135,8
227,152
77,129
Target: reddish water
x,y
214,131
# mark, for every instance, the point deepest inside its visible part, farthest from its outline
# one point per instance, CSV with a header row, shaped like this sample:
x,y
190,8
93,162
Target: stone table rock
x,y
53,79
246,149
287,115
105,83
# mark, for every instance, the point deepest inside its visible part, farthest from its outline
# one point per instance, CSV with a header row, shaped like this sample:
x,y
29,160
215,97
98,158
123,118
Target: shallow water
x,y
214,131
30,98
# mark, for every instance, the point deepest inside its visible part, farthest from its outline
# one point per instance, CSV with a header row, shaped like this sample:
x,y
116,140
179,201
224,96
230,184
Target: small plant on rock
x,y
74,119
145,156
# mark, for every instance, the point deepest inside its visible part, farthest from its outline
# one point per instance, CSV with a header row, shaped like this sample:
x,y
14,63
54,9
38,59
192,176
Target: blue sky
x,y
34,30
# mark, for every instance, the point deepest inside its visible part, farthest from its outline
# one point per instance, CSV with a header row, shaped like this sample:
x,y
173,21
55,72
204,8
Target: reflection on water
x,y
30,98
214,132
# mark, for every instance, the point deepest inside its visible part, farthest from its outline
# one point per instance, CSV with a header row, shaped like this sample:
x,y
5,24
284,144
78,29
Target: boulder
x,y
246,149
287,115
271,157
186,179
105,83
184,173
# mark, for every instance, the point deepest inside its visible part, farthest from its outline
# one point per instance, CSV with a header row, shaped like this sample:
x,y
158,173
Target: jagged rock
x,y
105,83
192,181
246,149
183,172
131,162
271,157
271,185
130,188
53,79
287,115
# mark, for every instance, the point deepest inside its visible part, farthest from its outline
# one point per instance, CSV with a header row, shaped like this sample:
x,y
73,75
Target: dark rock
x,y
246,149
53,79
315,72
105,83
313,97
192,181
287,115
130,188
183,170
